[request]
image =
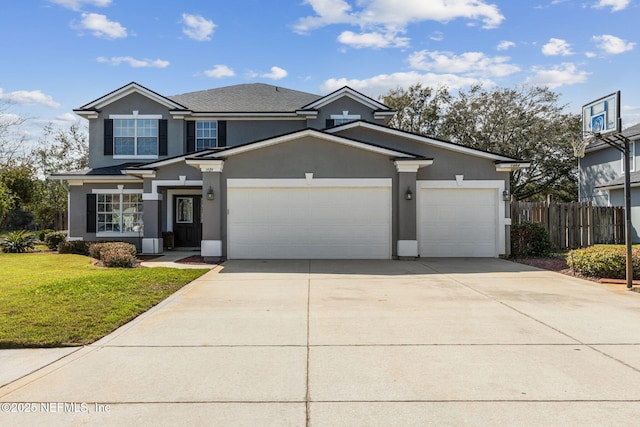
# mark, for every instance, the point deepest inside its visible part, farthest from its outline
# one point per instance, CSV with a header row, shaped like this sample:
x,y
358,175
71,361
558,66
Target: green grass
x,y
50,300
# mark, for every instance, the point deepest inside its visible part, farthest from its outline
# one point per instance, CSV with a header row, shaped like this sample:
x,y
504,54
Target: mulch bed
x,y
193,259
556,264
147,257
559,265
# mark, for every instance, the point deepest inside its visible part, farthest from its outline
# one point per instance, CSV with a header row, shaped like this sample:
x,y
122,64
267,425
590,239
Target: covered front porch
x,y
182,214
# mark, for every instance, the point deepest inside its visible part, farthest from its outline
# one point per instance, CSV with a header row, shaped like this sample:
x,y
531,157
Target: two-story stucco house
x,y
259,171
601,176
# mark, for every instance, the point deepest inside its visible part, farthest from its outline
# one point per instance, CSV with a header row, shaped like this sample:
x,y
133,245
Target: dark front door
x,y
187,227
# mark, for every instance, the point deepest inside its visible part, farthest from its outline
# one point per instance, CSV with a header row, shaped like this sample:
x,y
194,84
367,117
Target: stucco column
x,y
211,245
407,245
151,216
407,236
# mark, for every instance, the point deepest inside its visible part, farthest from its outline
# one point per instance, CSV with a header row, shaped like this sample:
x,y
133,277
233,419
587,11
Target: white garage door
x,y
309,222
458,222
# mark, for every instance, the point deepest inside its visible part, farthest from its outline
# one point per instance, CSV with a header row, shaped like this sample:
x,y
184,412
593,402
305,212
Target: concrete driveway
x,y
348,343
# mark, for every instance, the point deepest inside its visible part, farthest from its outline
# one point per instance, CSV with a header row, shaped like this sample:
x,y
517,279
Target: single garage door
x,y
458,222
309,222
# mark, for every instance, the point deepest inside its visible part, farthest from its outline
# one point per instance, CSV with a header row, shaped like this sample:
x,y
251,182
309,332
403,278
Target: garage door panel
x,y
457,222
309,222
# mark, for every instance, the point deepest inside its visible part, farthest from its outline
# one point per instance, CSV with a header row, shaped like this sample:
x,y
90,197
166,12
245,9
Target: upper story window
x,y
135,135
206,134
632,158
345,117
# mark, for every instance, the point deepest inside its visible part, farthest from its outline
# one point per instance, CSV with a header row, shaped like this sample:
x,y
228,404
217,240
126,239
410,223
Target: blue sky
x,y
60,54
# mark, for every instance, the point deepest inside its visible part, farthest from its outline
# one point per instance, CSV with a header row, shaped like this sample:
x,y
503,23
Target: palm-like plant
x,y
18,242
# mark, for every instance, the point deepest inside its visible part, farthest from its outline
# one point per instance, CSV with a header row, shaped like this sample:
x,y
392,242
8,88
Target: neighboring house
x,y
259,171
601,176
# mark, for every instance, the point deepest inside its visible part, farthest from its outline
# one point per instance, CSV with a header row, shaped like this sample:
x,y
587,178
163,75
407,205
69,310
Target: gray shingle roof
x,y
106,170
632,131
635,178
253,97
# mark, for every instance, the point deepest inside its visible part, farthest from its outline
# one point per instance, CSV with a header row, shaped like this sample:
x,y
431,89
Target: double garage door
x,y
322,219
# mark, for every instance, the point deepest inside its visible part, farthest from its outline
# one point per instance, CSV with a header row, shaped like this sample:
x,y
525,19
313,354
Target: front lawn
x,y
49,300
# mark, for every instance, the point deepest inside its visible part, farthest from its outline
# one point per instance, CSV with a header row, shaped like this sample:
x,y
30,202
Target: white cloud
x,y
630,114
437,36
612,44
372,40
23,97
220,71
630,108
328,12
590,54
101,27
382,83
505,45
64,120
133,62
470,63
557,47
78,4
616,5
560,75
197,27
276,73
392,17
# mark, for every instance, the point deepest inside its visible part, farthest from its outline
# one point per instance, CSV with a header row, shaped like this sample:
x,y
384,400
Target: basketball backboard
x,y
602,116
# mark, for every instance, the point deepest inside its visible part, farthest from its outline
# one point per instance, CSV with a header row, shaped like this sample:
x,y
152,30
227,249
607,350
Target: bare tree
x,y
11,140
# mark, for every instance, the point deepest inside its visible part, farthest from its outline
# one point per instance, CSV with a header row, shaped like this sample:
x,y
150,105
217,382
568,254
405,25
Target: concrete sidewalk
x,y
331,343
169,259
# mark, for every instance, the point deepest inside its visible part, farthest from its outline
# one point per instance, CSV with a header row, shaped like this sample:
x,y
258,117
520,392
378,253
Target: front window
x,y
119,213
135,137
206,134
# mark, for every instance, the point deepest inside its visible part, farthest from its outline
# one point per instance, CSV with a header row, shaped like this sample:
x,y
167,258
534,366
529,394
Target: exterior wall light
x,y
506,196
408,195
210,194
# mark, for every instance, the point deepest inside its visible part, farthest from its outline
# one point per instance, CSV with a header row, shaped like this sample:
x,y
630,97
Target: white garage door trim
x,y
312,184
497,185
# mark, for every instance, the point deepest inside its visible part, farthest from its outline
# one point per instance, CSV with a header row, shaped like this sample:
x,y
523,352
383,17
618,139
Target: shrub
x,y
604,261
77,247
94,250
530,239
52,240
113,253
42,233
18,242
117,255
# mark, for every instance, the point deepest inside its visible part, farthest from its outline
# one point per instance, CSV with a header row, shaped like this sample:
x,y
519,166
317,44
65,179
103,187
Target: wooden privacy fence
x,y
573,225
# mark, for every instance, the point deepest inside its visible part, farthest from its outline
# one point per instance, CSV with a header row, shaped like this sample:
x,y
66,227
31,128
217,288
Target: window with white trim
x,y
119,213
135,135
632,158
206,134
345,117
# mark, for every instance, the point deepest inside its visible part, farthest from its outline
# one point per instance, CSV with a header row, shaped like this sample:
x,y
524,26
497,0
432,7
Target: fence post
x,y
590,223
